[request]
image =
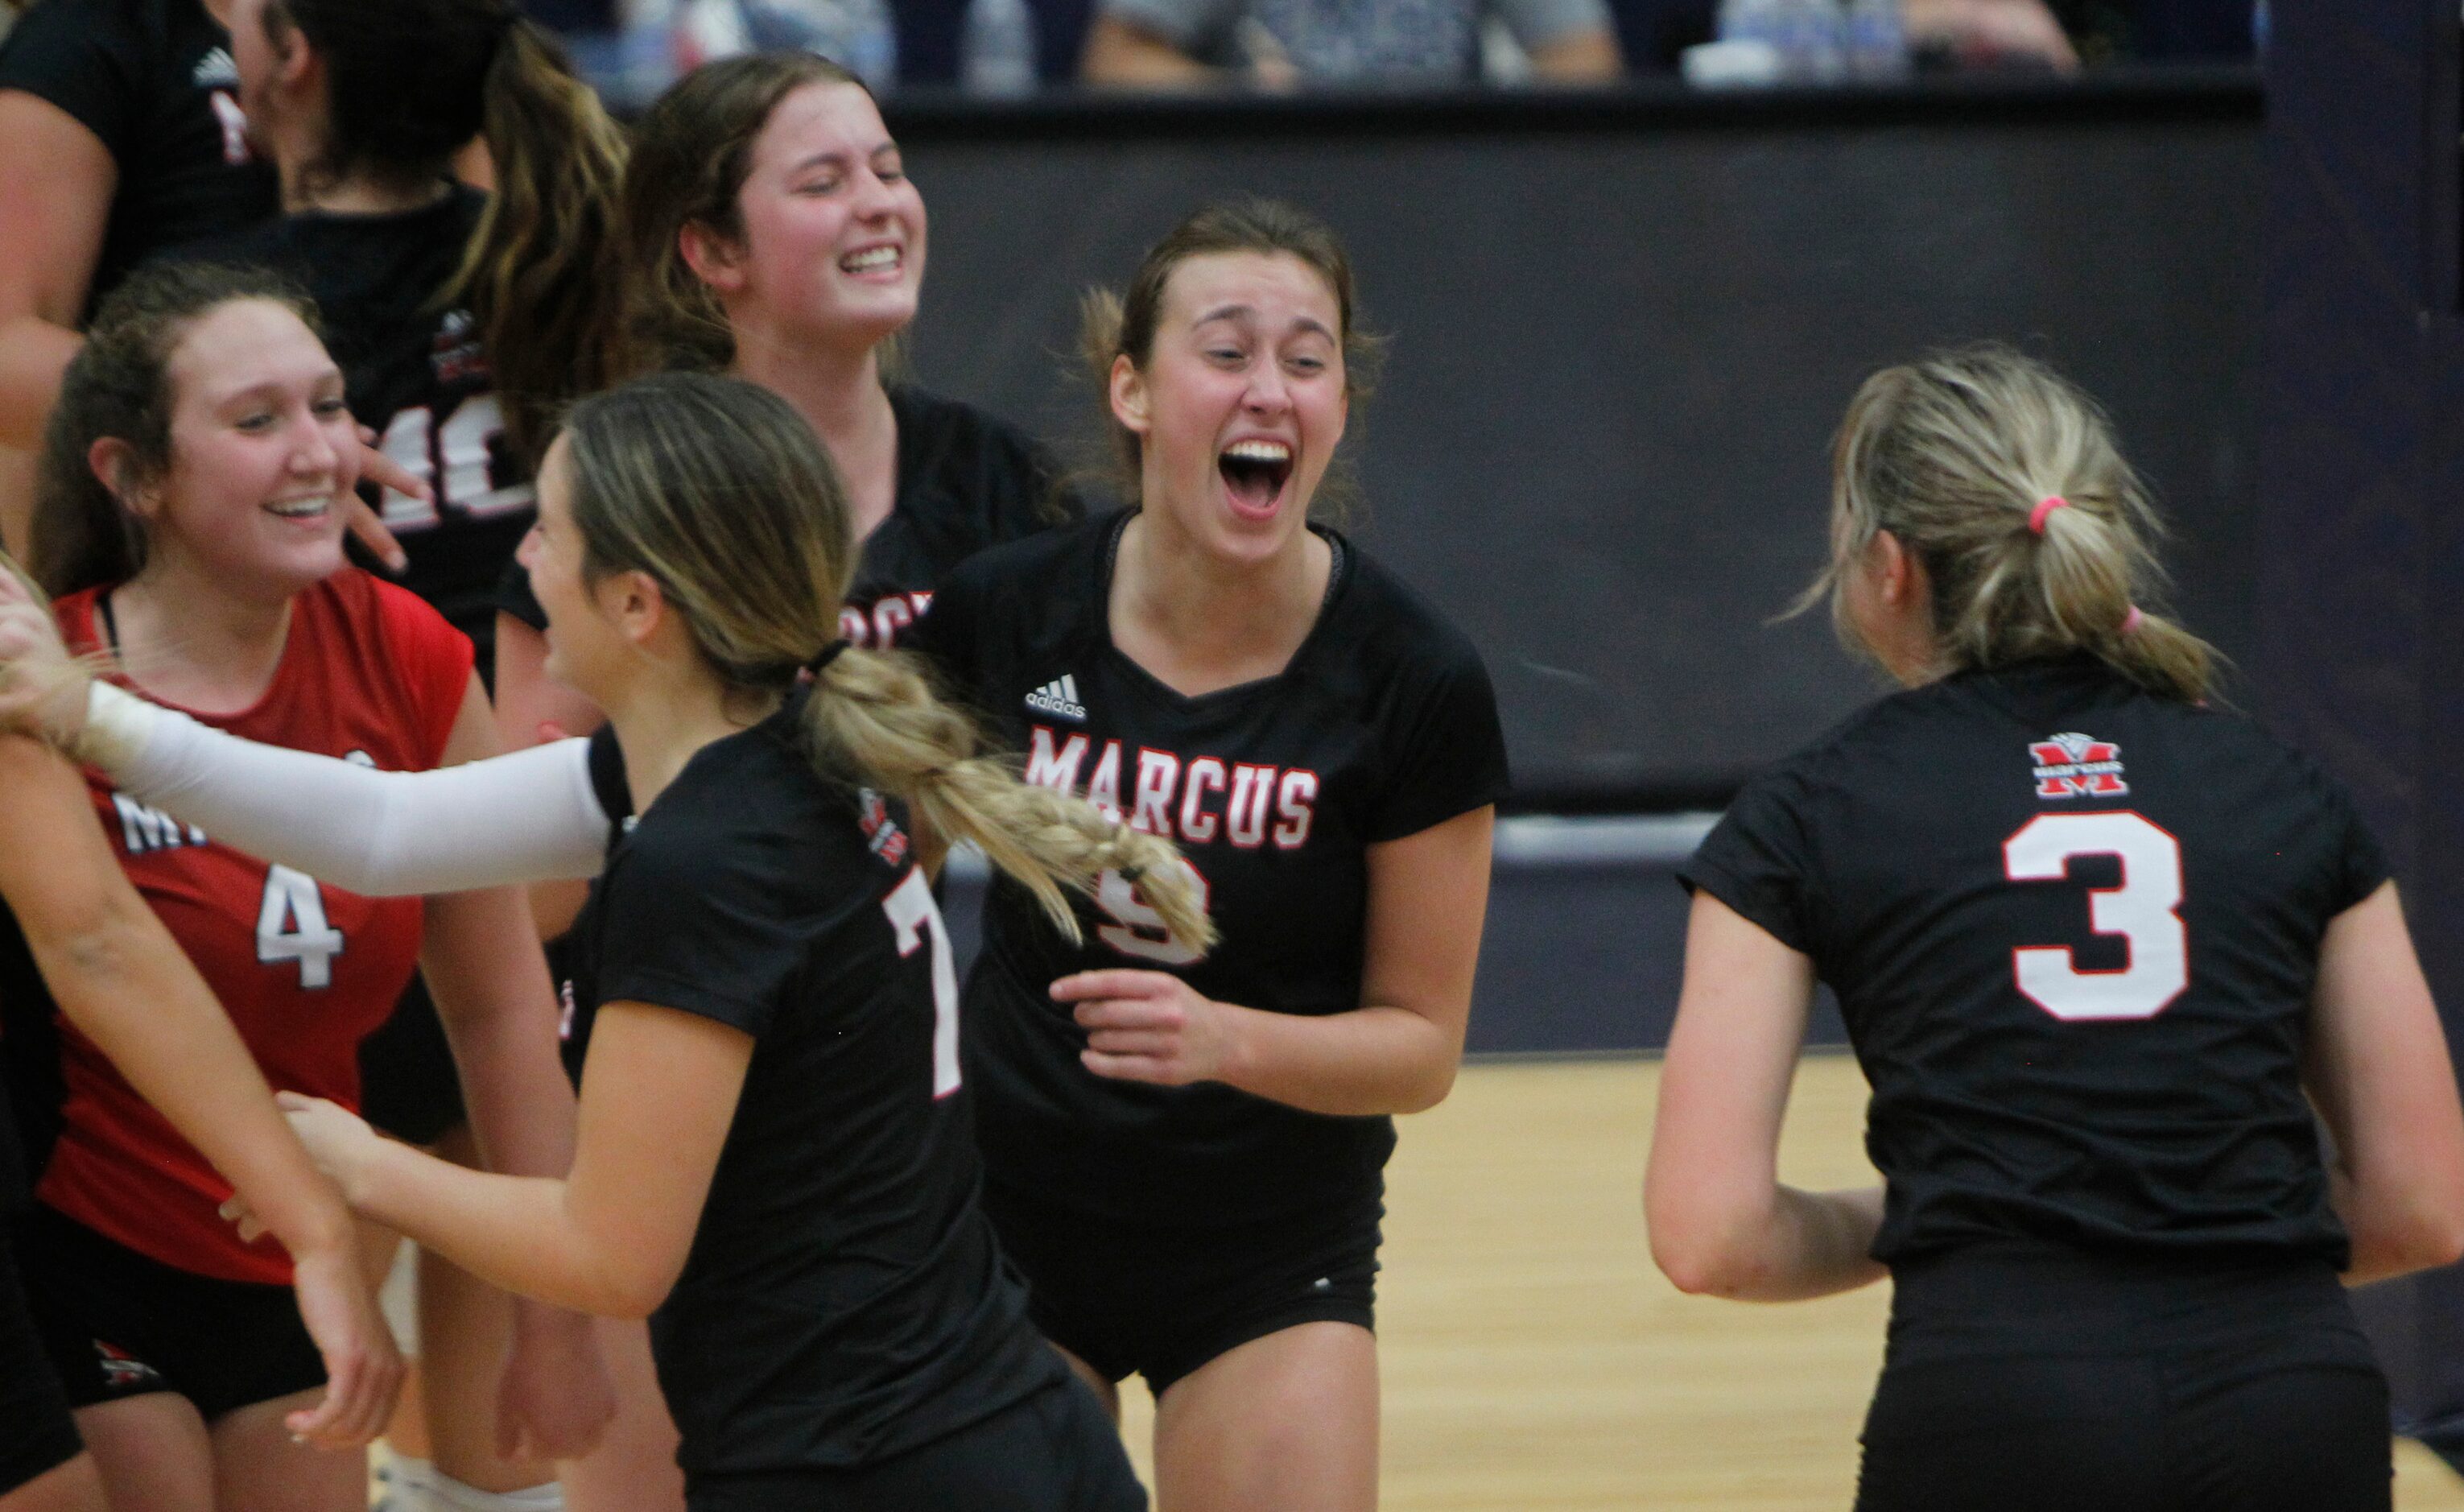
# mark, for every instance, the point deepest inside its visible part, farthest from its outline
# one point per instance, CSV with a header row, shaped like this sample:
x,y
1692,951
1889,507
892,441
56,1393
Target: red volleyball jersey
x,y
371,673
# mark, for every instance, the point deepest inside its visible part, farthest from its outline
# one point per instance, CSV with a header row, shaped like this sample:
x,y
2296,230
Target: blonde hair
x,y
1957,457
718,491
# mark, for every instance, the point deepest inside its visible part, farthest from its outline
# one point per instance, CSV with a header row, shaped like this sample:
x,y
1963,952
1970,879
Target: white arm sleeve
x,y
523,817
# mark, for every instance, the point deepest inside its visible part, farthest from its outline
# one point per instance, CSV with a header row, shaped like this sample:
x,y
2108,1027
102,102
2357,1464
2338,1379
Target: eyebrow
x,y
273,386
834,158
1230,312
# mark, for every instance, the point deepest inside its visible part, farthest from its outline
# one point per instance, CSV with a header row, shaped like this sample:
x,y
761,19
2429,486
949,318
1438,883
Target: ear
x,y
713,258
635,603
1893,567
113,462
1128,391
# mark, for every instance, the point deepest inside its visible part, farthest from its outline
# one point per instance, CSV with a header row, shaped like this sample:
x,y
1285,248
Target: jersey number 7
x,y
2142,910
912,916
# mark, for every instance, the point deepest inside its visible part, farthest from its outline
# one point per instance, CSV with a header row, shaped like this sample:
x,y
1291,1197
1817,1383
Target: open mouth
x,y
1255,473
301,508
873,259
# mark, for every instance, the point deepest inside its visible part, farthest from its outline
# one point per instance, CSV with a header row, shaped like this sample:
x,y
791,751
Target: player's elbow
x,y
629,1287
1699,1243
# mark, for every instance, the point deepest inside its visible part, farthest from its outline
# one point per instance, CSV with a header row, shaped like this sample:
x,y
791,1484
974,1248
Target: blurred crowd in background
x,y
632,48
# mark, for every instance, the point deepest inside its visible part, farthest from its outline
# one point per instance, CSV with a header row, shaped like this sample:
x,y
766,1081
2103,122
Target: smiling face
x,y
833,231
582,644
1241,400
263,450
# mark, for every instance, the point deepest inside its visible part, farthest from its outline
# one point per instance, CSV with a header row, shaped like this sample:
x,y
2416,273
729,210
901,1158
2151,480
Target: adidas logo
x,y
1059,698
216,71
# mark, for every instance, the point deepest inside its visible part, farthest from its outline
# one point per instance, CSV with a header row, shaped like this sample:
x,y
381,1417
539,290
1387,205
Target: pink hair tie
x,y
2132,620
2045,507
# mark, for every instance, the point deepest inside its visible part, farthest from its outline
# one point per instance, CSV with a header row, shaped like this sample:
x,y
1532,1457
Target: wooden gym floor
x,y
1534,1359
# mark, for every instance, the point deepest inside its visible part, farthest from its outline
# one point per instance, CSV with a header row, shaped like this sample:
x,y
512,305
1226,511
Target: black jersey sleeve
x,y
514,597
1759,860
608,782
85,58
945,638
695,920
2361,864
1448,751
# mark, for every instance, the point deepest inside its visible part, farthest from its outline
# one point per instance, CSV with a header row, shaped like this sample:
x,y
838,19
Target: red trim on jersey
x,y
305,971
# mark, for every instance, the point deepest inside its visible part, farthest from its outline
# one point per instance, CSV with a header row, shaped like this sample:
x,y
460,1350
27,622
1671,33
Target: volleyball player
x,y
775,1150
1185,1155
460,319
190,517
82,940
2108,956
773,233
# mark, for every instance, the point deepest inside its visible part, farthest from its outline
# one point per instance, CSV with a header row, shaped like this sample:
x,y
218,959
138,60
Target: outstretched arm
x,y
1721,1221
118,975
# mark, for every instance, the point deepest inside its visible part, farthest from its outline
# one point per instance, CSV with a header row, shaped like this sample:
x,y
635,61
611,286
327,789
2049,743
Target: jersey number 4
x,y
914,916
290,927
2143,910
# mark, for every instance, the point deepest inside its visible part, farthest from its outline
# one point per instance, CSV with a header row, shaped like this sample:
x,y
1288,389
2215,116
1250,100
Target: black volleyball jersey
x,y
966,481
844,1298
1382,724
153,80
419,376
2074,928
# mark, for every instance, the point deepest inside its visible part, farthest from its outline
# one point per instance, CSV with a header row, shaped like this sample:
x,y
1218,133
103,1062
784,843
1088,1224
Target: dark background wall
x,y
1624,331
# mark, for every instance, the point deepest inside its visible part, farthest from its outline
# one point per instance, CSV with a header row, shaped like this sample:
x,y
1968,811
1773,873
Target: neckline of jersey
x,y
99,617
1337,579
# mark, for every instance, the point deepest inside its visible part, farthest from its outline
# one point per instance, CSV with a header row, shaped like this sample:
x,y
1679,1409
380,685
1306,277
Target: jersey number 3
x,y
2142,911
914,915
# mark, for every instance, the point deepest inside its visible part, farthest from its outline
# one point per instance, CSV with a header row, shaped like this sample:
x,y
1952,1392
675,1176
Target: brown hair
x,y
119,386
1116,325
692,153
718,491
1953,455
409,83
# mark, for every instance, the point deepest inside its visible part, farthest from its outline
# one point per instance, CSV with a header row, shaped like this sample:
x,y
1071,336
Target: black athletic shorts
x,y
1161,1302
36,1434
408,1085
1054,1451
117,1324
2036,1379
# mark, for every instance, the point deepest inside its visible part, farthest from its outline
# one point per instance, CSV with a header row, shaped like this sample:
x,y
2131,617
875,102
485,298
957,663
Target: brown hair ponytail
x,y
2003,479
718,490
411,83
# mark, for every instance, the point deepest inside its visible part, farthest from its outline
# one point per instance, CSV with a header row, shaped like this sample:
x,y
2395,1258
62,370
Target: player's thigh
x,y
152,1452
74,1485
2015,1432
634,1467
258,1467
1288,1421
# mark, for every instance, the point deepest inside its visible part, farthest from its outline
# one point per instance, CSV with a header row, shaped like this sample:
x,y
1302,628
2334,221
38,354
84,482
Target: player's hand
x,y
42,687
1150,1026
363,1369
556,1398
365,523
338,1139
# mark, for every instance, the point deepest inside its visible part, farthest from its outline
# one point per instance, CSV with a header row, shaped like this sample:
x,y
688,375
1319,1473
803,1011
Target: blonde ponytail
x,y
872,715
718,490
2038,538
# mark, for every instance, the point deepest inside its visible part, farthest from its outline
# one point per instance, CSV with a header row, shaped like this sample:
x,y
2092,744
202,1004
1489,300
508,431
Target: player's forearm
x,y
515,1232
491,990
1371,1060
1786,1247
34,354
2395,1228
126,986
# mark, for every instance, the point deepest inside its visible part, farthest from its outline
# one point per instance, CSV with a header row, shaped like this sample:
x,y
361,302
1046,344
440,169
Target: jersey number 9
x,y
2141,910
1137,929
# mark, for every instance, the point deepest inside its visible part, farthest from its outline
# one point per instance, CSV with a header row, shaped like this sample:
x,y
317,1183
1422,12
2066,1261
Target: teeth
x,y
299,508
1259,452
871,260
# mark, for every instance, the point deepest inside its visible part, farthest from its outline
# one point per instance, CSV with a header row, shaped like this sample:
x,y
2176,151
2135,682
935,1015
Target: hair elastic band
x,y
2045,507
823,657
2132,620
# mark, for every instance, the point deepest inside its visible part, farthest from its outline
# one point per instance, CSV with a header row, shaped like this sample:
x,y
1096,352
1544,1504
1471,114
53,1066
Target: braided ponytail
x,y
874,713
718,490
